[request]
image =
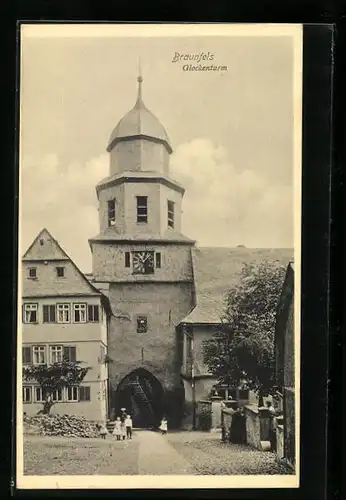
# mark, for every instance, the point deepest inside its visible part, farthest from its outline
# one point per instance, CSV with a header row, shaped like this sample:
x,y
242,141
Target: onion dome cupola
x,y
139,122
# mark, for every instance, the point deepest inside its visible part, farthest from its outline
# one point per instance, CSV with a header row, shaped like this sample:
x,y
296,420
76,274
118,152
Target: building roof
x,y
139,176
139,122
216,270
45,249
169,236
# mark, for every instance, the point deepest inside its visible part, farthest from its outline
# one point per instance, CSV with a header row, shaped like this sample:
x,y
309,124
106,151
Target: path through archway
x,y
143,397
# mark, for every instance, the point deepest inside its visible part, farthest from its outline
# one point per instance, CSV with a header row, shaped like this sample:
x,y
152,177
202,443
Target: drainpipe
x,y
193,385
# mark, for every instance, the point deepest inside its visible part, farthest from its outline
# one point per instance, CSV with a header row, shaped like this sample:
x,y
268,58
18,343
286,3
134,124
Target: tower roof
x,y
139,122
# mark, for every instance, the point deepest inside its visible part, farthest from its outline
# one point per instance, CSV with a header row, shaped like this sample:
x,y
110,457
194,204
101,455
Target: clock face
x,y
143,262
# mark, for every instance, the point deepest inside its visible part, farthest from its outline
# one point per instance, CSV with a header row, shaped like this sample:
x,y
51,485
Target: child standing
x,y
128,425
103,431
117,428
123,428
163,426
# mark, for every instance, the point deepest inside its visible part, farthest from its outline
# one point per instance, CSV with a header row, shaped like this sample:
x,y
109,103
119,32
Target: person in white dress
x,y
163,426
117,429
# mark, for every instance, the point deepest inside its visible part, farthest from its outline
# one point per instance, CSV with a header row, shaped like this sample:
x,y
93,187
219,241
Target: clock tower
x,y
144,258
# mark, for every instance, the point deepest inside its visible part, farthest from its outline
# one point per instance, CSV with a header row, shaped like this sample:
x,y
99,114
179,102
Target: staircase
x,y
141,399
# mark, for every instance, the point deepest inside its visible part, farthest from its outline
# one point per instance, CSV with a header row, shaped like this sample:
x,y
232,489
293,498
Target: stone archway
x,y
142,395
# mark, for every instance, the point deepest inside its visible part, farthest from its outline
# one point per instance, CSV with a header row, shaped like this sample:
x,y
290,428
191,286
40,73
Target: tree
x,y
55,376
242,351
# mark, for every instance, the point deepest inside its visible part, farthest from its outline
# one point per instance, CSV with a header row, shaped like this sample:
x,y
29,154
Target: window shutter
x,y
26,354
158,260
127,259
45,314
70,353
52,314
73,354
84,393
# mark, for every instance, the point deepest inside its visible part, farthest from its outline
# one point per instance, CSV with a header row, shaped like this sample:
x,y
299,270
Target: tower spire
x,y
139,80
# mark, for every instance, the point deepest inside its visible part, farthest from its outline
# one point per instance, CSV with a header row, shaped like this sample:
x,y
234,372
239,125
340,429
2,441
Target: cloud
x,y
223,205
62,198
227,206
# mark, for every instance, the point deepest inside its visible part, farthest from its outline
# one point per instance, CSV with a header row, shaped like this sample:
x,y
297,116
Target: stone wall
x,y
109,263
253,430
156,350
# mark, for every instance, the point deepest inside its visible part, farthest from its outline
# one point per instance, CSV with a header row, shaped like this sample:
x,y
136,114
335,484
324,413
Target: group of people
x,y
122,428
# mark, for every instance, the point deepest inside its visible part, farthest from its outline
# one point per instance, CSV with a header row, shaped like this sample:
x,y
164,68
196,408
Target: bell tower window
x,y
170,214
111,212
142,209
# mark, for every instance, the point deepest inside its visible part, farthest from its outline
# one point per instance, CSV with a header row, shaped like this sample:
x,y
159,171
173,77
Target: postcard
x,y
159,256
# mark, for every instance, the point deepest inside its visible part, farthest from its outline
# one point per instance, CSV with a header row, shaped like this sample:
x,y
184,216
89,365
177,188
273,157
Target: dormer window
x,y
170,214
60,272
142,209
111,212
33,273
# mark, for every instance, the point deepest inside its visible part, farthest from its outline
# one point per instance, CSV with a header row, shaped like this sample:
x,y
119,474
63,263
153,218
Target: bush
x,y
204,418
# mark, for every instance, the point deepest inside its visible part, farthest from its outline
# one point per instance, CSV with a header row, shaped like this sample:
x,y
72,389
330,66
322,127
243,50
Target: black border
x,y
315,261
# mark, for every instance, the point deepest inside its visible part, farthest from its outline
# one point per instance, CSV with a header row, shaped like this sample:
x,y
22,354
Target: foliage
x,y
242,351
204,417
55,376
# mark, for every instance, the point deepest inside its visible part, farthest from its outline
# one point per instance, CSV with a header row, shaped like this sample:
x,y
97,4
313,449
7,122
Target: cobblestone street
x,y
147,453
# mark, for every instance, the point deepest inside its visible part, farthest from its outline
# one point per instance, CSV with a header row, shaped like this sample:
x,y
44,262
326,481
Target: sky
x,y
231,133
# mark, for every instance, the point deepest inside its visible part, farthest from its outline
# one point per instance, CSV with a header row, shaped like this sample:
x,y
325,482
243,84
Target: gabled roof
x,y
216,270
46,249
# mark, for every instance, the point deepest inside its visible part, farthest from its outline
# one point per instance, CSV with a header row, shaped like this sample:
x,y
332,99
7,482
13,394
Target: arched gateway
x,y
143,397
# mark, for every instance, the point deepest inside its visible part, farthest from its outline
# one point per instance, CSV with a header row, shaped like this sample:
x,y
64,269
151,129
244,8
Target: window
x,y
142,324
39,397
39,354
84,393
63,313
26,355
56,353
93,314
49,314
170,214
79,313
60,272
127,259
142,209
27,394
111,212
158,260
72,394
30,313
32,272
56,395
69,353
41,243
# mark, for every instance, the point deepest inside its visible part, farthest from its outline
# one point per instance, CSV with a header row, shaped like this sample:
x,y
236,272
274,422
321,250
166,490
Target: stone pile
x,y
62,425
